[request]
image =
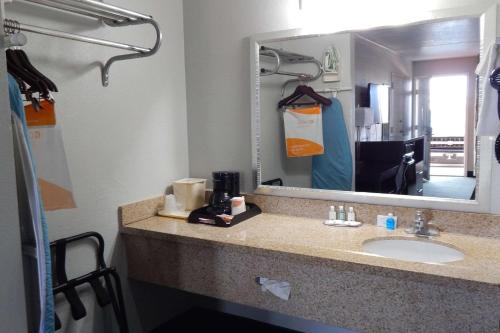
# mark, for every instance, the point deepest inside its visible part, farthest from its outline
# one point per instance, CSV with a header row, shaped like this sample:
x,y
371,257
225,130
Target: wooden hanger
x,y
302,91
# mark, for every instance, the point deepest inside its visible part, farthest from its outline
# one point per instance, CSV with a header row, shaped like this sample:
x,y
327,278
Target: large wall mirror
x,y
387,113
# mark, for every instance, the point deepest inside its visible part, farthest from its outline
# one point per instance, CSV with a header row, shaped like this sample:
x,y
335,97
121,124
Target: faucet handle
x,y
422,227
419,217
419,222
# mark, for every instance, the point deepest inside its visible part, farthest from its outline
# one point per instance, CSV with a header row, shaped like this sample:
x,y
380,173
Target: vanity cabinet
x,y
332,280
358,297
377,164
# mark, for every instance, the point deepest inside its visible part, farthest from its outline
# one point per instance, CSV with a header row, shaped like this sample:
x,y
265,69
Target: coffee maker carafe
x,y
226,186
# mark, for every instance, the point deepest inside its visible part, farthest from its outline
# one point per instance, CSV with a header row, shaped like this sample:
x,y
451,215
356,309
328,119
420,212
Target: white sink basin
x,y
412,250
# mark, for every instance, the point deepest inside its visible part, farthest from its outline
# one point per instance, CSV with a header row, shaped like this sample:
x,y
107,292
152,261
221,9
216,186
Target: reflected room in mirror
x,y
397,115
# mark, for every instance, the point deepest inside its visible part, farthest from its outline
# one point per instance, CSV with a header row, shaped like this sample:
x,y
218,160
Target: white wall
x,y
218,79
296,172
125,142
374,64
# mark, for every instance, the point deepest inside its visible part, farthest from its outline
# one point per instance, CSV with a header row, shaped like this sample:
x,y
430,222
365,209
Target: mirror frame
x,y
482,202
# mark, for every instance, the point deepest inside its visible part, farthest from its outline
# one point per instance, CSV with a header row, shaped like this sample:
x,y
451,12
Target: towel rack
x,y
333,90
282,56
111,15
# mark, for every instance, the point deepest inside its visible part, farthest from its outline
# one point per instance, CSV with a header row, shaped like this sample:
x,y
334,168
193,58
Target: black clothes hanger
x,y
40,82
23,58
22,78
302,91
16,69
19,66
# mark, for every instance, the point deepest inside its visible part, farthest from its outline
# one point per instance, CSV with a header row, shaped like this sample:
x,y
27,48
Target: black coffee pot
x,y
226,185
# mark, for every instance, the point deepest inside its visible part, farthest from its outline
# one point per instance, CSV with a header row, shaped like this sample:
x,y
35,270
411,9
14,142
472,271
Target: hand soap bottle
x,y
390,222
332,214
341,215
351,217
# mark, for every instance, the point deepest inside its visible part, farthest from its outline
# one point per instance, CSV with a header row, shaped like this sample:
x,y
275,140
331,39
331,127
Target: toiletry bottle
x,y
332,214
390,223
350,215
341,216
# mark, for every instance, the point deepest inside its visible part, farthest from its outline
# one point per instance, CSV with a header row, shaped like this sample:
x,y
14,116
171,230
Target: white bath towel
x,y
488,122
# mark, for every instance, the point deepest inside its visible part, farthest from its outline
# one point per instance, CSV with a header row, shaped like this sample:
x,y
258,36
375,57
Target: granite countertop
x,y
310,238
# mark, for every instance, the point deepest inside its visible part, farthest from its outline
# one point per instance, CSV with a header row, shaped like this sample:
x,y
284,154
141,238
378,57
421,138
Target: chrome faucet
x,y
421,227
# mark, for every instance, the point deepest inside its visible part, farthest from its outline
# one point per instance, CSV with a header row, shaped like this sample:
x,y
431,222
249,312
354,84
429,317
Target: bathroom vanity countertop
x,y
310,239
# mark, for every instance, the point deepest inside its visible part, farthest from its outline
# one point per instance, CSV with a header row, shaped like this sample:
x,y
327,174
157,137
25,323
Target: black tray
x,y
211,218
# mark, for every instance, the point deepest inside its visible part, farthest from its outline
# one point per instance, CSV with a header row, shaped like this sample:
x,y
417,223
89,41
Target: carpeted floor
x,y
450,187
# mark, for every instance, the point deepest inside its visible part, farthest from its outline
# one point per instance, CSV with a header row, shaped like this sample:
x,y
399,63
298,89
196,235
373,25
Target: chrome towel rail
x,y
92,8
281,56
80,38
109,14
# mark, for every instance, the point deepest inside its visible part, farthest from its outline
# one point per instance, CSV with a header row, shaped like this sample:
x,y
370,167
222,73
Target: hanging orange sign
x,y
45,116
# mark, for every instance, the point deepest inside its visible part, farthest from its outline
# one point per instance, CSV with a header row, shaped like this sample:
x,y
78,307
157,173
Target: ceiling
x,y
430,40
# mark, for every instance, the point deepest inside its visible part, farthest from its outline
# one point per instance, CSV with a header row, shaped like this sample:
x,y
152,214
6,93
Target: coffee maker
x,y
226,185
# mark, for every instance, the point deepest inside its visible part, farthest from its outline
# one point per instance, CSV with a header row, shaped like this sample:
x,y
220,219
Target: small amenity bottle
x,y
390,223
351,217
341,215
332,214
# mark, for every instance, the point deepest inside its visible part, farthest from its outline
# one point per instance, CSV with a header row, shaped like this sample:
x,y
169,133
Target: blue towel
x,y
38,212
333,169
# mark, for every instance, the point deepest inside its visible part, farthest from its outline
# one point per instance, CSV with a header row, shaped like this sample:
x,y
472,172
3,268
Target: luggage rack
x,y
107,293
